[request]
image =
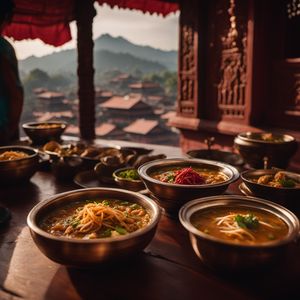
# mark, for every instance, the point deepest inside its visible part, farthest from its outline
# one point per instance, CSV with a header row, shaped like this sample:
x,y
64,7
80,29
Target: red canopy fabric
x,y
152,6
49,20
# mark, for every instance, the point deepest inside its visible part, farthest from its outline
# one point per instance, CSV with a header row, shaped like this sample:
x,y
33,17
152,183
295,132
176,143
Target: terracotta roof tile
x,y
119,102
50,95
141,126
104,129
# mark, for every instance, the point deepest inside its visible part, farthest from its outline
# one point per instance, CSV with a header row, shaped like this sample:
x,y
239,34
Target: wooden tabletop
x,y
166,269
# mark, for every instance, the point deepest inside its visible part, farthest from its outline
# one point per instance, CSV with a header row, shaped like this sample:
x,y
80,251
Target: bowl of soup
x,y
266,149
276,185
17,164
175,181
235,233
43,132
89,227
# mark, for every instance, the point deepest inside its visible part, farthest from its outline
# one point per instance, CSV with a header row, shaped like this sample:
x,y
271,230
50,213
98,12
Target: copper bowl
x,y
275,152
289,197
40,135
224,256
18,170
172,196
126,183
94,252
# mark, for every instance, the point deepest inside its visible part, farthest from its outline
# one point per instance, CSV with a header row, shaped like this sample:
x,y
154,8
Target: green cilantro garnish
x,y
287,182
120,230
247,222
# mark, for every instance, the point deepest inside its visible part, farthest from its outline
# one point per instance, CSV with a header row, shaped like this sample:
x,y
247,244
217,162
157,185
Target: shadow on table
x,y
19,200
144,277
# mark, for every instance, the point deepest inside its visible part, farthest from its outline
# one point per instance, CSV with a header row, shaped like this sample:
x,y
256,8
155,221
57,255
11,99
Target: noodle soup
x,y
240,225
99,218
189,176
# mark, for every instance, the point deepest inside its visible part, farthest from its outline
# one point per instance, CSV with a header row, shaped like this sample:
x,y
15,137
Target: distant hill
x,y
109,53
121,45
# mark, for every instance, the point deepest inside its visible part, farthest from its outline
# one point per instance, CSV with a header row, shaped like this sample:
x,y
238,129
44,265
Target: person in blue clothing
x,y
11,91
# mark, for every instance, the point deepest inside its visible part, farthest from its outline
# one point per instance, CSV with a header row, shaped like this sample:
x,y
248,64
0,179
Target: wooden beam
x,y
84,14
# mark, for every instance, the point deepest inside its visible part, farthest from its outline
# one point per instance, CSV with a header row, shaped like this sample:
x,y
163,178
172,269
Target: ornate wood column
x,y
85,12
215,71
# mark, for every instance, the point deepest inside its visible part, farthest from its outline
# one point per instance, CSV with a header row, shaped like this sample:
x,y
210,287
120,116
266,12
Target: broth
x,y
97,218
48,126
240,225
189,175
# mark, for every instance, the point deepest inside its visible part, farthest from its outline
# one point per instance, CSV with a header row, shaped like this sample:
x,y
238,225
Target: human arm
x,y
15,96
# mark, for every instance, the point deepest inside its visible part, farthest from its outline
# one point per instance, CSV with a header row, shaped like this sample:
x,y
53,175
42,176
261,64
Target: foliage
x,y
166,79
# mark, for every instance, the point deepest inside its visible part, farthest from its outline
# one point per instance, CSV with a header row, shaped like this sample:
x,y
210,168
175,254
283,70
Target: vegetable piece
x,y
247,221
131,174
287,182
188,176
106,233
120,230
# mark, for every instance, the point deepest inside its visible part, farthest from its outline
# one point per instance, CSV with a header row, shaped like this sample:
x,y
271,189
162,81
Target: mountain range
x,y
110,53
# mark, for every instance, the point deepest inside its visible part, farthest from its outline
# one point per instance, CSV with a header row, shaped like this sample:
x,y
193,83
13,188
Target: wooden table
x,y
166,269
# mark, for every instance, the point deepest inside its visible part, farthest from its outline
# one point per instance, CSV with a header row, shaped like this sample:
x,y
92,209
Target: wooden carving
x,y
232,84
187,71
188,60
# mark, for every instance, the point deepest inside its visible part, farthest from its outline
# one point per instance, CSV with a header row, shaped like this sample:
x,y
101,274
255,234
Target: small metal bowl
x,y
225,256
289,197
128,184
172,196
45,134
256,151
94,252
18,170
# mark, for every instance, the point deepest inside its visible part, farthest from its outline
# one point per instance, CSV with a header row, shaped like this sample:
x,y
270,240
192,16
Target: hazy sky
x,y
143,29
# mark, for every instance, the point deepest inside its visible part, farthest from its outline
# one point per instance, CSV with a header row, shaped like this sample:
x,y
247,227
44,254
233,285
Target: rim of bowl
x,y
33,125
19,148
245,136
116,176
188,209
142,170
31,218
248,181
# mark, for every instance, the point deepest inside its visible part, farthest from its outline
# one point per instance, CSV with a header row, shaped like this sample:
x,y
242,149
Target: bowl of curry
x,y
42,132
175,181
276,185
237,233
88,227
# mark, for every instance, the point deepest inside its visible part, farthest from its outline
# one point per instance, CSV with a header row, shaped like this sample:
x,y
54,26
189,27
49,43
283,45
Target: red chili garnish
x,y
188,176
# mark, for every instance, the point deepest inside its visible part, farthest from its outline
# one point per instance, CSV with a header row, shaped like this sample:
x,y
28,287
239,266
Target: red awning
x,y
152,6
49,20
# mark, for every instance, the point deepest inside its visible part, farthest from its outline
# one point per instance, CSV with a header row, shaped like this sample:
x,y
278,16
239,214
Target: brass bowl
x,y
276,153
18,170
289,197
224,256
128,184
41,135
172,196
94,252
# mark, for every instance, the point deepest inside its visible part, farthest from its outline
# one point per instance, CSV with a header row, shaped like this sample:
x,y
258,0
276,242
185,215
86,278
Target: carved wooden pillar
x,y
85,12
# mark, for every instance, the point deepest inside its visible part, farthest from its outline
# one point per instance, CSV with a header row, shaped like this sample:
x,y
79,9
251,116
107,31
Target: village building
x,y
121,110
146,88
146,131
